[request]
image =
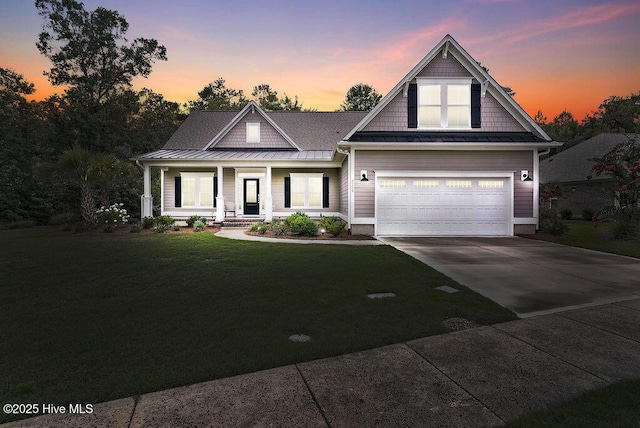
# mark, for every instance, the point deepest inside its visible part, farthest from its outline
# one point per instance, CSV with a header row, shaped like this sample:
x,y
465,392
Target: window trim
x,y
197,176
252,125
444,106
306,176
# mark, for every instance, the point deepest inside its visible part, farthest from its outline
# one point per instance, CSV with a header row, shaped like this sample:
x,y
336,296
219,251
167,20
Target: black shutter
x,y
325,192
412,105
178,193
475,105
287,192
215,191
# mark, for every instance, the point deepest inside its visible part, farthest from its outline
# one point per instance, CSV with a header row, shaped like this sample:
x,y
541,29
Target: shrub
x,y
625,230
165,220
566,214
198,226
587,214
135,227
300,224
550,221
112,217
278,227
19,224
194,218
175,228
163,223
147,222
333,225
258,227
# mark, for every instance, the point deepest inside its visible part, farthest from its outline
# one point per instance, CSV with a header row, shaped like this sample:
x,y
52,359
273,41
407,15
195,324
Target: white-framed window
x,y
197,189
444,103
253,132
306,190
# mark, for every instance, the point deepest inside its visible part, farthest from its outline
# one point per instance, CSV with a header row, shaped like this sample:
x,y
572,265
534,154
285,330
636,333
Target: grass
x,y
583,234
92,317
616,405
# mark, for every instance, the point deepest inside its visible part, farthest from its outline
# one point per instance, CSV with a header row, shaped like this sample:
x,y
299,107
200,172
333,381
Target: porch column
x,y
146,200
220,197
268,203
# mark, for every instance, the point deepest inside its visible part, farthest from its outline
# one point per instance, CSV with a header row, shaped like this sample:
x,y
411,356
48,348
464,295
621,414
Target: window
x,y
458,184
393,184
197,190
444,103
253,132
306,190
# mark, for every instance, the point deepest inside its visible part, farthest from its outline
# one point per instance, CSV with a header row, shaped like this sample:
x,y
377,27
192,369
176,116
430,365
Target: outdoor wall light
x,y
524,175
363,175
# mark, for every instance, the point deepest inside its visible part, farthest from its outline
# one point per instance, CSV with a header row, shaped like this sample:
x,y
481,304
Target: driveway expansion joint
x,y
556,357
600,328
454,382
313,396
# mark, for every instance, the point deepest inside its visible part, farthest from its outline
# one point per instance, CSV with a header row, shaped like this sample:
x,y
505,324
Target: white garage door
x,y
442,206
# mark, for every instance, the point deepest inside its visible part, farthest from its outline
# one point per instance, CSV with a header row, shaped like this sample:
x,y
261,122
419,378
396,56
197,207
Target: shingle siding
x,y
494,117
442,161
269,137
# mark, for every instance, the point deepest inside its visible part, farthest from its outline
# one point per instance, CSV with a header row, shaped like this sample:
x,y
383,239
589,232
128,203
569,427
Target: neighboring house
x,y
446,152
570,169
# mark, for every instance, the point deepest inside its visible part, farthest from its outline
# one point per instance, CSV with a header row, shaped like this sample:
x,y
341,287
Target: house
x,y
571,167
446,152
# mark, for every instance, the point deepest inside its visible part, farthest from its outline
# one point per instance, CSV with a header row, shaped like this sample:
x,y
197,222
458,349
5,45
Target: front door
x,y
251,196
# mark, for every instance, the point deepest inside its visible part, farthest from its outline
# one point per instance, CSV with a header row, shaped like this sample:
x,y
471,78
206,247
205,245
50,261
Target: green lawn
x,y
86,318
616,405
583,234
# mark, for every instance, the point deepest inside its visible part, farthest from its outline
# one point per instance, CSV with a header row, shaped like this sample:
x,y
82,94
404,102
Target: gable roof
x,y
252,107
307,130
573,164
450,46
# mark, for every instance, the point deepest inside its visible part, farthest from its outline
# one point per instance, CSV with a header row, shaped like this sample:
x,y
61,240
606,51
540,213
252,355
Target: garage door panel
x,y
443,207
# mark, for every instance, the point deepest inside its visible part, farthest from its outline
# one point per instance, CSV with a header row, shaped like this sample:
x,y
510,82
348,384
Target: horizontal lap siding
x,y
169,188
277,189
344,187
442,161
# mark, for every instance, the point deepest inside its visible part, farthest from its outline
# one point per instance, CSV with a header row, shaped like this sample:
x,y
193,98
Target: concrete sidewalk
x,y
476,377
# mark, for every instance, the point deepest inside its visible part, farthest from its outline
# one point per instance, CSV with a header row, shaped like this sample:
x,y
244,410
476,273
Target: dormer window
x,y
444,103
253,132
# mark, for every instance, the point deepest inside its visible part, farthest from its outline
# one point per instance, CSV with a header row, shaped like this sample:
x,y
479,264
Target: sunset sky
x,y
556,55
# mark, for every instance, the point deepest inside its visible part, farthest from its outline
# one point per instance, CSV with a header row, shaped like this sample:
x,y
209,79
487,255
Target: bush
x,y
333,225
566,214
550,221
300,224
258,227
587,214
19,224
278,227
625,231
194,218
175,228
198,226
147,222
135,227
112,217
163,223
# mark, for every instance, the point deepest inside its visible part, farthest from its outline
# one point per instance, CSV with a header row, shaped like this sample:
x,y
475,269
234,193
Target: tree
x,y
89,50
622,164
360,97
216,96
267,99
540,118
615,114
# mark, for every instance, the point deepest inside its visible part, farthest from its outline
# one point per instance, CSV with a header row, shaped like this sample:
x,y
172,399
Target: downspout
x,y
140,165
544,152
349,177
536,189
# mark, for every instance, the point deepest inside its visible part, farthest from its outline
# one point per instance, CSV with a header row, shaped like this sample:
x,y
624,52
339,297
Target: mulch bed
x,y
344,236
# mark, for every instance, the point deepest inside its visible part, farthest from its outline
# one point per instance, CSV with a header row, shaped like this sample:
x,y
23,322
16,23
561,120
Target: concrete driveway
x,y
527,276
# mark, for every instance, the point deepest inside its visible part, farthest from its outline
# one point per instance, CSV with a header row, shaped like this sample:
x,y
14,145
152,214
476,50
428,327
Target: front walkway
x,y
472,378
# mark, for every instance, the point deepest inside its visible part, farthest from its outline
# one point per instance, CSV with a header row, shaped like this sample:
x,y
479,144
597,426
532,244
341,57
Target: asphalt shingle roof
x,y
309,130
573,164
